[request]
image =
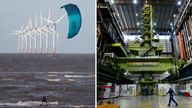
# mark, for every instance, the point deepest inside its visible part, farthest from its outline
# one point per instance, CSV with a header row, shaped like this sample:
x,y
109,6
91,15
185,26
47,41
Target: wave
x,y
27,103
53,79
39,103
79,76
52,75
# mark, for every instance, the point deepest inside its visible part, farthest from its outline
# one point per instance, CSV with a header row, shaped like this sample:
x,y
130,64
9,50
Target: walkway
x,y
153,102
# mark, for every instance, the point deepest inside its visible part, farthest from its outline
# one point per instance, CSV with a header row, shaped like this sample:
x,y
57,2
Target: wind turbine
x,y
27,33
42,30
39,30
45,28
19,38
47,36
35,35
54,24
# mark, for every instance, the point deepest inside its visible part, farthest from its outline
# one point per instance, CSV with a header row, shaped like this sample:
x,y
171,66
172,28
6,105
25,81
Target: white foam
x,y
52,72
68,72
70,80
80,106
7,79
52,75
53,79
28,103
79,76
39,103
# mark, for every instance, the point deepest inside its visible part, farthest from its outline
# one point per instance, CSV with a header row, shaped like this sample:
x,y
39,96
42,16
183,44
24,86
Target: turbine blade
x,y
39,31
35,20
60,18
16,31
42,27
28,25
30,22
54,31
22,27
46,29
49,14
25,29
32,37
49,31
57,36
41,22
47,20
13,33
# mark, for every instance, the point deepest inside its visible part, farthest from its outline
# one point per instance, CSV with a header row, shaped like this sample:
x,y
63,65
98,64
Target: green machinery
x,y
149,46
145,57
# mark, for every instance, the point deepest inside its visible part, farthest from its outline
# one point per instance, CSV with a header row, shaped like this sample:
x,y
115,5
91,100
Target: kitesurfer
x,y
44,100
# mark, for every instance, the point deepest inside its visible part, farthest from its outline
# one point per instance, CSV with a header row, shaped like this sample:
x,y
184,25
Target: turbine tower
x,y
30,35
47,35
41,24
35,36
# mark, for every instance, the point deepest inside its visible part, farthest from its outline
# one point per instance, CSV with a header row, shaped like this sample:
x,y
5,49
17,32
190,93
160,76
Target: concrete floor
x,y
153,102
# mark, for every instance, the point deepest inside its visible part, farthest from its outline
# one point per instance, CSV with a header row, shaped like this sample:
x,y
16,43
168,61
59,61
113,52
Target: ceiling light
x,y
138,23
171,24
155,24
125,73
174,15
174,33
135,1
136,14
112,1
179,2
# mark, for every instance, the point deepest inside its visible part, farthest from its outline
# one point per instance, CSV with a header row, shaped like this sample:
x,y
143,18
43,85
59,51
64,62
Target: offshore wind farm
x,y
30,33
42,32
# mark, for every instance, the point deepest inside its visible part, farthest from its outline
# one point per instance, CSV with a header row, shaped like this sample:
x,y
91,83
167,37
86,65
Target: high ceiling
x,y
129,14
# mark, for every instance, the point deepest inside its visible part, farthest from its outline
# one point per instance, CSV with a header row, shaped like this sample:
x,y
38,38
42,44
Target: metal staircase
x,y
182,13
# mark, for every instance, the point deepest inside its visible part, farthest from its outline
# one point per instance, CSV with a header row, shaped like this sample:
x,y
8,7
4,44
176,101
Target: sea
x,y
66,80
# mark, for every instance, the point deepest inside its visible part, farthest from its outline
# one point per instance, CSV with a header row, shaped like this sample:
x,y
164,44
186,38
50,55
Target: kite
x,y
74,17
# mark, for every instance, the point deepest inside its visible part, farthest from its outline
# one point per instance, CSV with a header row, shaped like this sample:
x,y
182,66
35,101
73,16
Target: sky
x,y
14,13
